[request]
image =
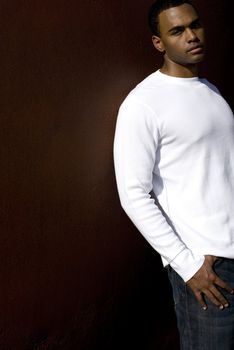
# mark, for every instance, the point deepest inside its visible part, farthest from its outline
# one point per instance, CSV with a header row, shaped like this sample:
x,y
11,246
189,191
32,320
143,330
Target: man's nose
x,y
191,35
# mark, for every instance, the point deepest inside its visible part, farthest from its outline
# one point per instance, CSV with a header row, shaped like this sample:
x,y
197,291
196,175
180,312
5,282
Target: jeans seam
x,y
189,337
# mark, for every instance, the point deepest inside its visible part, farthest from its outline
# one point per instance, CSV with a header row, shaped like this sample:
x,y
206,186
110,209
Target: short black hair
x,y
157,7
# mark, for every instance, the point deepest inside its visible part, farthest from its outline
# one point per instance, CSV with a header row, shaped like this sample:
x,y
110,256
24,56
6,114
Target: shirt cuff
x,y
186,264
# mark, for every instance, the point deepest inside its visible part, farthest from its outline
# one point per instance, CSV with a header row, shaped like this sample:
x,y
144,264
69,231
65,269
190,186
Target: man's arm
x,y
136,141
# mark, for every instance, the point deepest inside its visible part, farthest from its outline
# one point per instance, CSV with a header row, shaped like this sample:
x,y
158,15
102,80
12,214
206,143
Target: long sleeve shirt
x,y
174,165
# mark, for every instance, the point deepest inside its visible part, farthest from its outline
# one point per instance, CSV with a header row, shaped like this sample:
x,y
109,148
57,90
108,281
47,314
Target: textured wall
x,y
74,272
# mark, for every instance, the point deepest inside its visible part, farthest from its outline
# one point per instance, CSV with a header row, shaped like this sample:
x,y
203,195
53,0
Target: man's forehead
x,y
179,15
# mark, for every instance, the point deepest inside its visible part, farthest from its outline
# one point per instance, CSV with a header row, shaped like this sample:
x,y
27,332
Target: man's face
x,y
181,35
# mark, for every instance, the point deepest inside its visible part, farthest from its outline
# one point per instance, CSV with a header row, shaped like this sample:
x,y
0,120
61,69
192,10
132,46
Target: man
x,y
174,164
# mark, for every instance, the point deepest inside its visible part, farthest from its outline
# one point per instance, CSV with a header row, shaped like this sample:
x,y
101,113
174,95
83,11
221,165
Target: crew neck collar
x,y
172,79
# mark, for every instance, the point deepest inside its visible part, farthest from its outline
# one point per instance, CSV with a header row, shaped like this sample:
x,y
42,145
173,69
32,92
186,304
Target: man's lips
x,y
196,48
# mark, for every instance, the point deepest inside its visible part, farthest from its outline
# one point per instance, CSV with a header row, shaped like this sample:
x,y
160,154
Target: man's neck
x,y
179,71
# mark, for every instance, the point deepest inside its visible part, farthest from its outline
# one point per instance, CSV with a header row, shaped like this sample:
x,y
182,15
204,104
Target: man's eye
x,y
196,25
176,32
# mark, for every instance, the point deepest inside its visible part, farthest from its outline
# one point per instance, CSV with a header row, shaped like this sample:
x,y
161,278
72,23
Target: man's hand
x,y
205,281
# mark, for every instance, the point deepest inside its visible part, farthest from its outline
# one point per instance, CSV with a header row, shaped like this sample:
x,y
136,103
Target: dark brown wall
x,y
74,272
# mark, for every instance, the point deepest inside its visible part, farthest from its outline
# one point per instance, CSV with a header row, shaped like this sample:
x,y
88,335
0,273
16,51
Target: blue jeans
x,y
212,329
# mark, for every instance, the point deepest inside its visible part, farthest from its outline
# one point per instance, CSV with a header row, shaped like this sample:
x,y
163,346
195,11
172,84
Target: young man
x,y
174,163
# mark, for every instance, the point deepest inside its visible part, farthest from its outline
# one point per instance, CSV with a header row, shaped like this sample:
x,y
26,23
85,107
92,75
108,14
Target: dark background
x,y
74,271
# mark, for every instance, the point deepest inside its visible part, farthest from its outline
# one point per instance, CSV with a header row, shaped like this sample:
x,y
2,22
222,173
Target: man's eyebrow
x,y
181,27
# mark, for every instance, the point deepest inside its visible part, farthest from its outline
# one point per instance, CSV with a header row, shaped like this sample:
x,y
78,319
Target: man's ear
x,y
158,44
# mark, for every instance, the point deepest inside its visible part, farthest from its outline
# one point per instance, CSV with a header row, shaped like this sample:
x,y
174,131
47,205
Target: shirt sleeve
x,y
135,145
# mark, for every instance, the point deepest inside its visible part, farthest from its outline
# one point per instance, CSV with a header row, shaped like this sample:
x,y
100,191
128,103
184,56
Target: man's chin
x,y
198,59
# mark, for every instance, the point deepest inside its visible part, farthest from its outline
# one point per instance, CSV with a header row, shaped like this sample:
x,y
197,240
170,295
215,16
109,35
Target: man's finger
x,y
213,299
200,299
219,296
223,285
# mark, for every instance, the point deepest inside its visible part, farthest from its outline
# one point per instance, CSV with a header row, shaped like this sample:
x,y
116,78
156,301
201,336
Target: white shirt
x,y
174,141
